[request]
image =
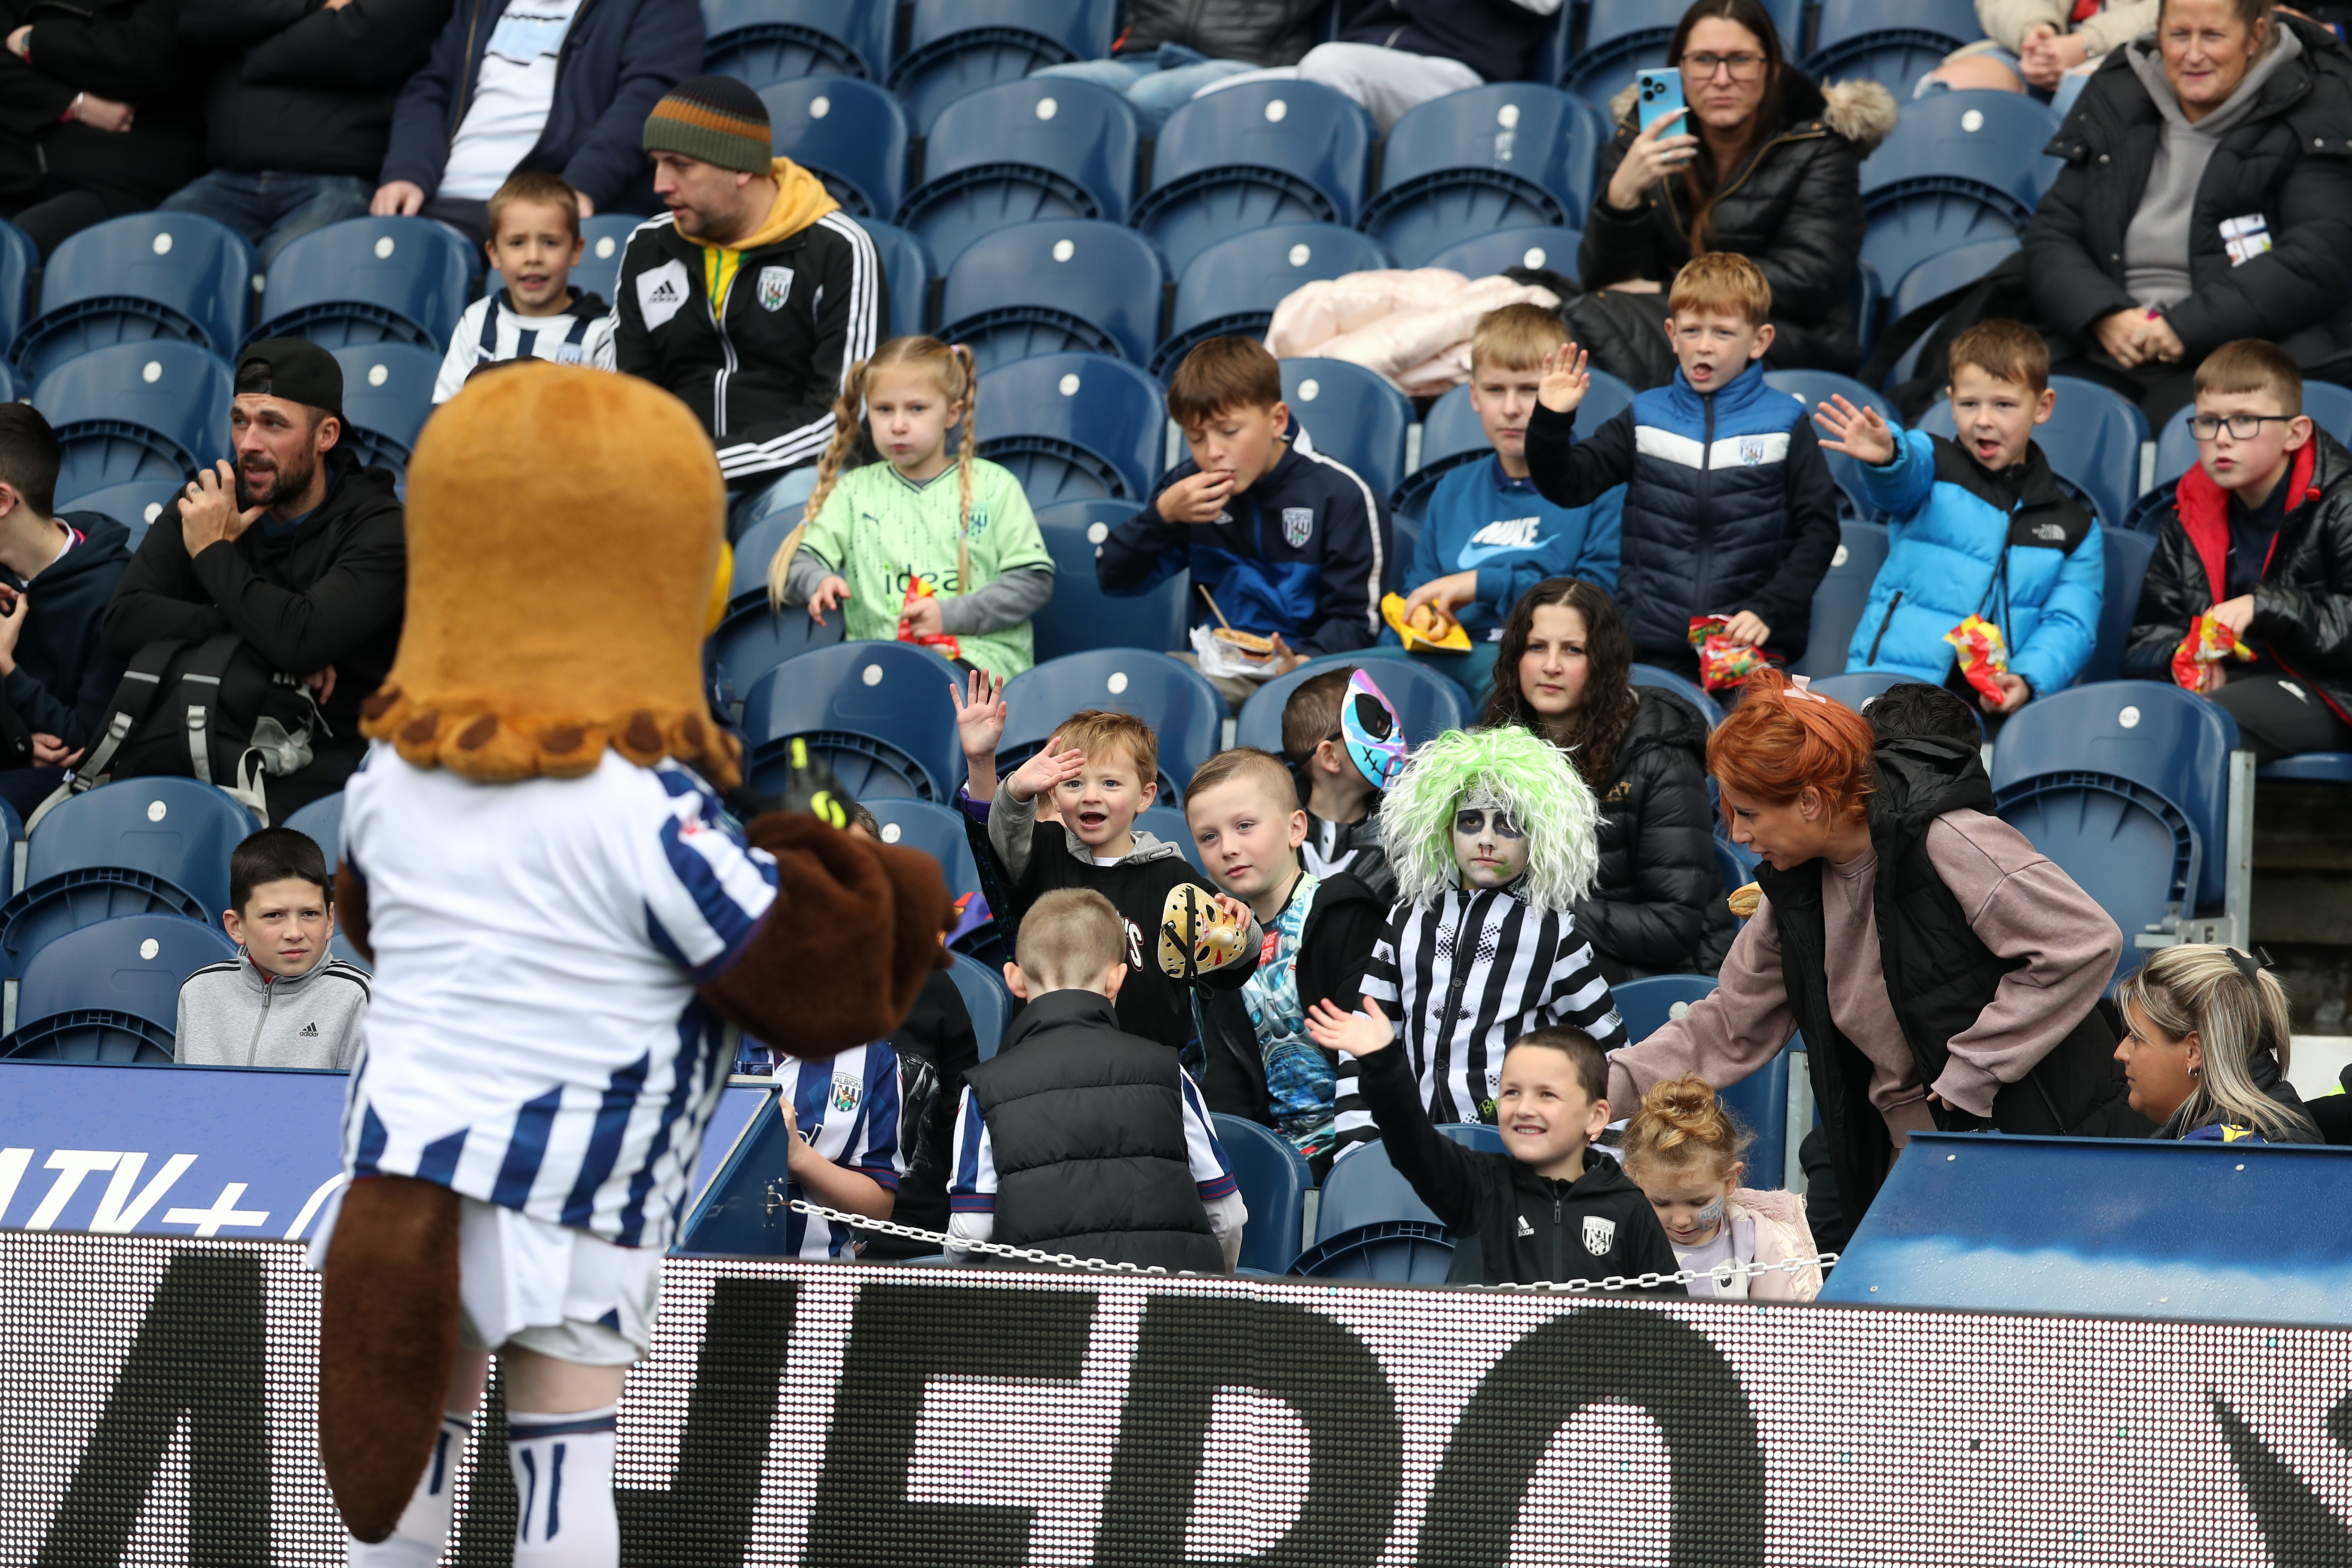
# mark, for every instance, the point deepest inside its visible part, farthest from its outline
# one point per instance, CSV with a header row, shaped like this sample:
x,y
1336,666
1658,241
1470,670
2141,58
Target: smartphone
x,y
1656,95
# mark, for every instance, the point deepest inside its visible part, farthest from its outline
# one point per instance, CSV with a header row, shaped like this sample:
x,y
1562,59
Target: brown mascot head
x,y
565,529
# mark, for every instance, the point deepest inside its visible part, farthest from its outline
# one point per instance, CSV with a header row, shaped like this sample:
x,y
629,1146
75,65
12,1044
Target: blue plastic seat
x,y
1843,593
1449,432
1859,688
133,964
1059,285
2311,767
369,280
1429,701
1231,288
753,552
136,411
1938,275
1862,38
2126,558
851,135
2091,440
938,831
753,640
1049,147
1363,1189
1081,618
19,259
2329,406
1622,36
1074,426
1735,865
1483,255
1688,690
1760,1102
1362,418
1167,824
1473,1135
2123,842
1983,141
1251,156
1905,230
879,713
1508,155
1811,388
1274,1179
174,276
1647,1005
1414,1252
135,505
322,819
986,998
956,48
1184,709
762,41
387,393
907,271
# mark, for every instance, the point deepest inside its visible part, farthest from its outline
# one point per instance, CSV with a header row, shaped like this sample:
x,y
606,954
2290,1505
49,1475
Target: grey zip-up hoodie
x,y
231,1014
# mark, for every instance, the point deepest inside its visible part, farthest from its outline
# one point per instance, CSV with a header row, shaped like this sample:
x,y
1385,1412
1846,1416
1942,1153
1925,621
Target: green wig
x,y
1533,780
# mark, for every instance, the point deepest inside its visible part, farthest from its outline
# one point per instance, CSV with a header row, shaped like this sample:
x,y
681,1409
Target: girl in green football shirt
x,y
971,539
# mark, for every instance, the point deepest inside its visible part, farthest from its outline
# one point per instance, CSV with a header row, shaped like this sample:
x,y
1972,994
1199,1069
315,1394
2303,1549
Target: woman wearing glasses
x,y
1766,164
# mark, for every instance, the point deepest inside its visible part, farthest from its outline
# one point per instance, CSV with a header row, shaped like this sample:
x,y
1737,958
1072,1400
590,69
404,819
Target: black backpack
x,y
213,711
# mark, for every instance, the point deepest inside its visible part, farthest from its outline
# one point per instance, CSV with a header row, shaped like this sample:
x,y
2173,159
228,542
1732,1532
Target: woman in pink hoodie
x,y
1683,1149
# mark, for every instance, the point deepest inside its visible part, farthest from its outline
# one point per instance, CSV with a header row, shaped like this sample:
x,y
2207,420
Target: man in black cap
x,y
297,550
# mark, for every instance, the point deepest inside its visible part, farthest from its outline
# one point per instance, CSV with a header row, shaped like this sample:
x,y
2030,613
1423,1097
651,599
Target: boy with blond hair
x,y
1729,506
1489,535
534,244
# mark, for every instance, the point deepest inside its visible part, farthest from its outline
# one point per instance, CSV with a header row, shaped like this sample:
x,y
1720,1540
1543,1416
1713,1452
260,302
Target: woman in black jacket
x,y
2206,196
1657,905
1773,171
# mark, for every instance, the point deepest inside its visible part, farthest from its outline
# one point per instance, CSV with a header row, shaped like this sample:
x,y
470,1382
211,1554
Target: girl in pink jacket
x,y
1683,1149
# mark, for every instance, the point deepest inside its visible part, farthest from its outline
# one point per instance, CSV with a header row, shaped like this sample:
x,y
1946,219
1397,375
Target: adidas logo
x,y
664,292
311,1032
1525,1228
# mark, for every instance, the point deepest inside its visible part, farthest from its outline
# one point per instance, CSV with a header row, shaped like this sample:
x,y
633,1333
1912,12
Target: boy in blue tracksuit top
x,y
1489,535
1291,543
1978,526
1729,506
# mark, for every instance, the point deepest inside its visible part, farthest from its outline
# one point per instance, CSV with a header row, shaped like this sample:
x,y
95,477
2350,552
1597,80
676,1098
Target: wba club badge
x,y
775,287
1598,1233
1297,525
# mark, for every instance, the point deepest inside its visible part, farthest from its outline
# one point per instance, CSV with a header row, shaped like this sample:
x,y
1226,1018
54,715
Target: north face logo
x,y
2054,532
307,1032
1509,533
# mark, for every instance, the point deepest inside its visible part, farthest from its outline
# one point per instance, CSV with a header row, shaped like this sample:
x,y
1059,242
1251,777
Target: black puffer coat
x,y
2290,160
2302,607
1656,907
305,89
128,51
1794,208
1263,33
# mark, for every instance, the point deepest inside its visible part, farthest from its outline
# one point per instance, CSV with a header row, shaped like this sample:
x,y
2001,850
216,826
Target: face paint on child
x,y
1488,847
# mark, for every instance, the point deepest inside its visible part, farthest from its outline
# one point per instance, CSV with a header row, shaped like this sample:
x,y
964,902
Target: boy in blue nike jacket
x,y
1977,526
1729,506
1291,543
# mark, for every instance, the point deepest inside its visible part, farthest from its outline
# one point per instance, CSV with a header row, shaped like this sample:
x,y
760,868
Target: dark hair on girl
x,y
1590,735
1699,176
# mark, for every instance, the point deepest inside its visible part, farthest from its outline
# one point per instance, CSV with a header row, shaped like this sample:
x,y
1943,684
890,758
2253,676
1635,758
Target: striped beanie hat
x,y
716,118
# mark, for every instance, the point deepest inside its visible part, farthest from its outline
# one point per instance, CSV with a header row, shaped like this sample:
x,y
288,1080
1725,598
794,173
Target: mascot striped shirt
x,y
535,1039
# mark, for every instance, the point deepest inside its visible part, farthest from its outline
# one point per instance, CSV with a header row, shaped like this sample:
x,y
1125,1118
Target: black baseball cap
x,y
295,370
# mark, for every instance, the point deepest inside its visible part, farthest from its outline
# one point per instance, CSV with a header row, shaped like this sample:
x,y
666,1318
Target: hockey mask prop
x,y
1372,731
1489,848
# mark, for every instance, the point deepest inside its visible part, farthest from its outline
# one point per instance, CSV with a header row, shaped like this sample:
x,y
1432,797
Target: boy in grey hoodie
x,y
282,1002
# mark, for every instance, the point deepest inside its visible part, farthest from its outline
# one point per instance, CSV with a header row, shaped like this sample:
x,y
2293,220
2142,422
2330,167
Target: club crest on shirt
x,y
568,354
1751,451
775,285
1598,1234
1297,525
847,1090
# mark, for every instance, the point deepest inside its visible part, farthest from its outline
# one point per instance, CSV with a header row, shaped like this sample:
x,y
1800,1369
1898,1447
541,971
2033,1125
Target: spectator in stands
x,y
851,1155
1288,542
1343,803
296,549
512,88
2155,246
899,547
1901,919
1167,50
1242,808
1780,180
1078,1137
1979,526
55,674
1489,534
2206,1048
98,113
1684,1149
284,1001
1914,707
1749,542
536,313
1656,906
762,364
299,111
1397,55
2259,536
2030,46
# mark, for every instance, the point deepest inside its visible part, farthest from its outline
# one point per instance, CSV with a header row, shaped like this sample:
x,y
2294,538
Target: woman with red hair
x,y
1944,973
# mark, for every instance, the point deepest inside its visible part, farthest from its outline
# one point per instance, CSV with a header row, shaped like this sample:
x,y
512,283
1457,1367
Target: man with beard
x,y
297,549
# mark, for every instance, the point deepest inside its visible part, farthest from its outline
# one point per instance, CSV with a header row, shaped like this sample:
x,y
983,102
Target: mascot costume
x,y
565,920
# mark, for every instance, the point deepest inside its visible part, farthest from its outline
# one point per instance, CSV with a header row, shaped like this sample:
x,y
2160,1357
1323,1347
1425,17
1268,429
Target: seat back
x,y
907,273
937,831
2125,560
753,554
388,389
1990,140
1681,687
1081,618
1167,824
1184,709
1081,131
1811,388
367,279
1452,430
753,640
1363,419
1429,701
1473,1135
2329,406
985,997
851,135
19,259
880,714
133,965
174,390
1760,1101
762,41
1364,1189
1937,276
1402,1252
150,275
1511,155
1647,1005
956,48
1860,38
1054,286
1249,156
1553,247
1274,1179
135,505
1232,285
1844,592
322,820
2126,846
1074,425
1906,229
177,829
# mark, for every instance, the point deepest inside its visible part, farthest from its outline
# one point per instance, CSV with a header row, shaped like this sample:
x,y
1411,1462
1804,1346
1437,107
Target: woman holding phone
x,y
1763,162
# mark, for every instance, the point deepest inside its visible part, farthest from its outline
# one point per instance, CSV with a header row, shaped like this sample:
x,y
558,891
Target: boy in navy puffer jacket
x,y
1729,506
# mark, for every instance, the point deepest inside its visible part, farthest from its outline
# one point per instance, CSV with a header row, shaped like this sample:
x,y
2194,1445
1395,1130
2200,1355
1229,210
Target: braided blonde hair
x,y
950,369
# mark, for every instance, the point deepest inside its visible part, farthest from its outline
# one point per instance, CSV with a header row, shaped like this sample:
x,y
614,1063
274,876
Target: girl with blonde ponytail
x,y
971,550
1683,1150
2206,1050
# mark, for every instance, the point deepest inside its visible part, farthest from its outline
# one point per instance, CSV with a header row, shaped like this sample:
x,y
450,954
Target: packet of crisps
x,y
918,589
1983,655
1722,663
2208,642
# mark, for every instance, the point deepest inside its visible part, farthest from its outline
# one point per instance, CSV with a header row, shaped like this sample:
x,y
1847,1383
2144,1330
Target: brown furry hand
x,y
351,909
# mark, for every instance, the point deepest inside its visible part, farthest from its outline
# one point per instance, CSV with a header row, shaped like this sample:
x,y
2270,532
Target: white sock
x,y
416,1541
564,1489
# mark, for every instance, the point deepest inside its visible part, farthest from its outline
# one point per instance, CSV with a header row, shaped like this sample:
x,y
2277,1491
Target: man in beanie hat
x,y
754,295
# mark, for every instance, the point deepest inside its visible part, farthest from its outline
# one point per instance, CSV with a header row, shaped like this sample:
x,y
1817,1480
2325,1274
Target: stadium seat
x,y
1483,255
1058,285
1274,1179
1737,866
1938,275
1688,689
2312,767
1248,157
9,393
135,505
1862,38
881,714
1473,1135
1363,418
938,831
1167,824
2091,440
1074,426
110,991
19,259
1363,1189
1861,687
1844,592
1905,230
955,47
1647,1005
762,41
322,820
136,847
1081,618
1231,287
2122,842
1508,155
754,639
1045,148
753,554
1811,388
172,275
1402,1252
1986,141
1760,1102
1622,36
1184,709
986,998
1429,701
907,271
2126,558
136,411
369,280
387,393
2329,406
851,135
